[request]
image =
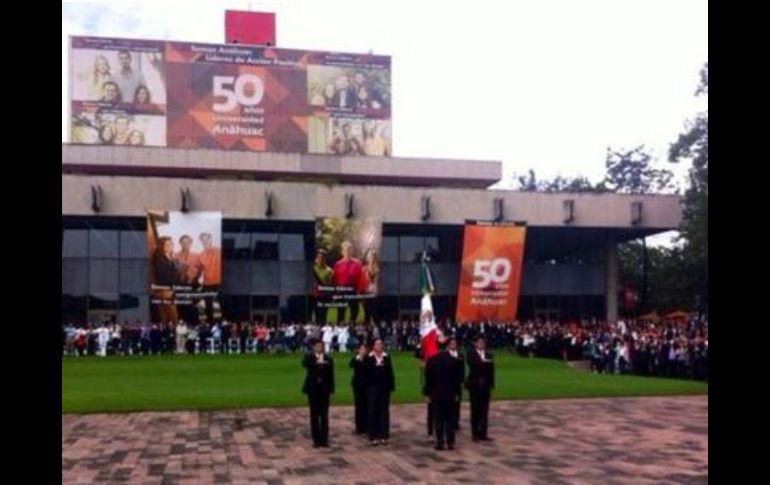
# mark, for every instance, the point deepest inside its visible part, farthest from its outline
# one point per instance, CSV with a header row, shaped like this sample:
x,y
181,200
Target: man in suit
x,y
344,96
481,381
460,370
358,382
442,388
319,386
429,406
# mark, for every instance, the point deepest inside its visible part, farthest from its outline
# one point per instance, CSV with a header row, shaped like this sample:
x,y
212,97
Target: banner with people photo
x,y
350,136
346,269
229,97
185,270
117,92
490,276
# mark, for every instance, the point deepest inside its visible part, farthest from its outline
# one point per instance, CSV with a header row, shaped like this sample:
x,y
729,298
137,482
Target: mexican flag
x,y
428,329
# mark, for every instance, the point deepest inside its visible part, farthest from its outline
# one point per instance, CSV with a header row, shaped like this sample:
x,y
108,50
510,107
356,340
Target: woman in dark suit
x,y
380,383
358,363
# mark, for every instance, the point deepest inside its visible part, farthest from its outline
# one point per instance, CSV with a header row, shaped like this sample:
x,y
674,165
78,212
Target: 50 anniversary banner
x,y
229,97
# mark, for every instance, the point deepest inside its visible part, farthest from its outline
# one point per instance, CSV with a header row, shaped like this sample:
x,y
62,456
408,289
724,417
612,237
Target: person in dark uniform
x,y
443,385
380,382
430,418
460,370
357,363
481,381
429,405
319,386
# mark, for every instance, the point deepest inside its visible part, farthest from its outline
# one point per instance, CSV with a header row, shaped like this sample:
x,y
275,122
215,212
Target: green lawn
x,y
172,382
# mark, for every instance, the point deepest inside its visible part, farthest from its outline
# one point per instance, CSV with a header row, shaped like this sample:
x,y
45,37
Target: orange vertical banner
x,y
490,277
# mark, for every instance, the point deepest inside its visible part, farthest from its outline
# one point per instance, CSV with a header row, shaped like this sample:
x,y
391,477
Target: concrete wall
x,y
268,165
240,199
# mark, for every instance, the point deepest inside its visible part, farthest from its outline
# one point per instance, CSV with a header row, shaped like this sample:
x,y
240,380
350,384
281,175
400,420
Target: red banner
x,y
256,28
491,272
228,97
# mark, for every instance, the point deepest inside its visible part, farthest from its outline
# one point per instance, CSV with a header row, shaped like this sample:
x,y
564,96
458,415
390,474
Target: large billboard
x,y
185,271
229,97
346,269
490,276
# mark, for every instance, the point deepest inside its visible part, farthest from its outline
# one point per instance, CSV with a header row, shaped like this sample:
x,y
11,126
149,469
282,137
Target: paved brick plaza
x,y
630,440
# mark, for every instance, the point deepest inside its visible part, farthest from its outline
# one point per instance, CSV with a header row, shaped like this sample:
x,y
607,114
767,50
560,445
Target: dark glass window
x,y
133,244
265,246
133,308
411,248
291,247
74,309
236,245
294,279
74,276
265,277
103,276
103,243
133,275
389,279
236,276
389,250
75,243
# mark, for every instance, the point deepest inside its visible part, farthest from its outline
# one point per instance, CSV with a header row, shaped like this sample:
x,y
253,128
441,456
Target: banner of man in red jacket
x,y
346,268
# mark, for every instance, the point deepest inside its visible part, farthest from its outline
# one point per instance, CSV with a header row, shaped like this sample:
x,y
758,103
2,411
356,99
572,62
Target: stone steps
x,y
580,364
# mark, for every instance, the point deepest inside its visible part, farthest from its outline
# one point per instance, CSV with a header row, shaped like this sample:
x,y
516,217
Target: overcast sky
x,y
547,84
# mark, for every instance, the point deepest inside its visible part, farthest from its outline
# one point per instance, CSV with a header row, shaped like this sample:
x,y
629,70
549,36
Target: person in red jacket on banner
x,y
347,273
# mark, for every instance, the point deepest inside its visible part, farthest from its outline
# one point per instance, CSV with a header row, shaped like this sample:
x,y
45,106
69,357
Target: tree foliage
x,y
634,172
677,278
627,172
693,146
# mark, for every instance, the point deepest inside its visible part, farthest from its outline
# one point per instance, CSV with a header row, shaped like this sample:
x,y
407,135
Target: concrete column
x,y
611,275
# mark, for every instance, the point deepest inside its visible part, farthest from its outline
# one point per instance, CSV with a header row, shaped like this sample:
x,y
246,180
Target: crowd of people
x,y
671,349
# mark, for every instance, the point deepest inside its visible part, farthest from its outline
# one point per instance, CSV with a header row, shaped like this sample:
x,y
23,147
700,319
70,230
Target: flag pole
x,y
426,309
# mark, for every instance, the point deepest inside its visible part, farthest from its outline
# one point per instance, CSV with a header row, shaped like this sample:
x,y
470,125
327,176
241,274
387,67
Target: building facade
x,y
270,201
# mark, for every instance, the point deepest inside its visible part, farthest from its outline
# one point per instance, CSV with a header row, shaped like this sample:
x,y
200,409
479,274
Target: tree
x,y
665,287
530,183
678,277
632,172
562,184
628,172
667,278
692,146
527,183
